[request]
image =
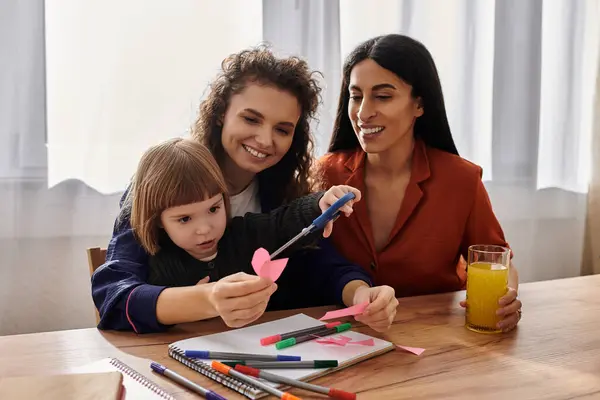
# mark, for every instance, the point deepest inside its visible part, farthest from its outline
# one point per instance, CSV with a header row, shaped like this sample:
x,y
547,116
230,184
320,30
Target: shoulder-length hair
x,y
173,173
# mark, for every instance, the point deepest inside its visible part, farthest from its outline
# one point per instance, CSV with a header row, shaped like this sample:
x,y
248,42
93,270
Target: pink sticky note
x,y
263,266
354,310
415,350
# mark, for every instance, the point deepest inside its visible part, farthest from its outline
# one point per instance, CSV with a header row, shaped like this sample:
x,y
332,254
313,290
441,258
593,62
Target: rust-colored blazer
x,y
445,210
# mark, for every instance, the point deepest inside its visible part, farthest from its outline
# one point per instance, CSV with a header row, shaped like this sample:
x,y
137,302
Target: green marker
x,y
284,364
301,339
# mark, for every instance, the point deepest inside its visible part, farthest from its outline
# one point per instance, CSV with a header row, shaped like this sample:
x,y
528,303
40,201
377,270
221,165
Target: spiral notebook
x,y
247,340
137,386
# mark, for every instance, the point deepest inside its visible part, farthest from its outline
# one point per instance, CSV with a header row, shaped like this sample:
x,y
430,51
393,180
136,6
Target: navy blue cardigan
x,y
123,298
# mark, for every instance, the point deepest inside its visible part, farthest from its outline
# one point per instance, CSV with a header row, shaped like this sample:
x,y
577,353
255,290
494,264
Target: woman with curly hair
x,y
256,123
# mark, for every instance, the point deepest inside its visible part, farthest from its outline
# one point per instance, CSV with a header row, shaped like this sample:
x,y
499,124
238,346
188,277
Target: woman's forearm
x,y
185,304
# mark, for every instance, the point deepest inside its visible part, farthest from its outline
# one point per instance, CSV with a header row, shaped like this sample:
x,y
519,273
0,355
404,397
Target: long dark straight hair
x,y
410,61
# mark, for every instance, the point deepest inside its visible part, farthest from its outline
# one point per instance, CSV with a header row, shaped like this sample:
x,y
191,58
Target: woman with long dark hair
x,y
423,204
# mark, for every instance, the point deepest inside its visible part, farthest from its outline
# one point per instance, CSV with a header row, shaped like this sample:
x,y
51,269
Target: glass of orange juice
x,y
487,282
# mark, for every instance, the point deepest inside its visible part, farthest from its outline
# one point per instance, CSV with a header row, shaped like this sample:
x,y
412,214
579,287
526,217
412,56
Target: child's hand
x,y
331,196
241,298
381,311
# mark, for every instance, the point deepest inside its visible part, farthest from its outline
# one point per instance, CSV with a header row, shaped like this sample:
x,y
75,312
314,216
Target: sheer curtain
x,y
113,92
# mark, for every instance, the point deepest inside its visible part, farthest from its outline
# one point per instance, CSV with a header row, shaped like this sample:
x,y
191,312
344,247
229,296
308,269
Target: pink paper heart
x,y
266,268
260,257
273,269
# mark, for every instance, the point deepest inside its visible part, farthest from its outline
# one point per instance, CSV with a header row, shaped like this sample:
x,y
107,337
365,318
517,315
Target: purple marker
x,y
162,370
220,355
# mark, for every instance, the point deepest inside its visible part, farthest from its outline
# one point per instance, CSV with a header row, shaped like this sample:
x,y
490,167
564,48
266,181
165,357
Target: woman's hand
x,y
241,298
509,308
331,196
381,310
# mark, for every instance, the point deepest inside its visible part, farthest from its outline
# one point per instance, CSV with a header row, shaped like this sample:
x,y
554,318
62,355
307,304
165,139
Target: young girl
x,y
179,214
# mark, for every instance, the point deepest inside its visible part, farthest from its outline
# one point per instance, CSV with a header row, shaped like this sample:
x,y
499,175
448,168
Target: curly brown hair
x,y
289,178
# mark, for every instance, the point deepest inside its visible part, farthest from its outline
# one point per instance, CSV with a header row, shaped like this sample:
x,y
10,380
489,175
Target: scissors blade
x,y
290,242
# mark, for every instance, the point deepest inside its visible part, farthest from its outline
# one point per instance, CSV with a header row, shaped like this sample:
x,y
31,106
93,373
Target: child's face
x,y
197,227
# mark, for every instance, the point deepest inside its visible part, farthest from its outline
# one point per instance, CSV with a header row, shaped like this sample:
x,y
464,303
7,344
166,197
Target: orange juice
x,y
486,284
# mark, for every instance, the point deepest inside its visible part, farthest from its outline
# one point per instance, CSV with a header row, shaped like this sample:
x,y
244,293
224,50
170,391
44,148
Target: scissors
x,y
331,214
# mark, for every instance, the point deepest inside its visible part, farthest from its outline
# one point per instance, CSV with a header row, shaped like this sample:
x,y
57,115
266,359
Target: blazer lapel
x,y
414,194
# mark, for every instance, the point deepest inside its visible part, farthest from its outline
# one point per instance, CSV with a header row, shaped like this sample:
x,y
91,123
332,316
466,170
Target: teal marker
x,y
305,338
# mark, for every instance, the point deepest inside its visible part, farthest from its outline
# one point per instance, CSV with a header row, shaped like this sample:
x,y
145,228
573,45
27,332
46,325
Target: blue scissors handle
x,y
332,212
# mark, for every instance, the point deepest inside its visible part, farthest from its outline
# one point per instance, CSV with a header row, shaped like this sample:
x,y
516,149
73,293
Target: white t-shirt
x,y
246,201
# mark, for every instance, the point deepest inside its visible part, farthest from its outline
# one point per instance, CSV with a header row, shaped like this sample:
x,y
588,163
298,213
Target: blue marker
x,y
217,355
208,394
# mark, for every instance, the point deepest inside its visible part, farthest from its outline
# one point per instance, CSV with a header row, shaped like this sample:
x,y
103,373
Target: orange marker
x,y
227,370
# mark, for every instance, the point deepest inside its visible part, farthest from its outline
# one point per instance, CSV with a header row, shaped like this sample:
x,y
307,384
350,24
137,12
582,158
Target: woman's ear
x,y
220,120
419,110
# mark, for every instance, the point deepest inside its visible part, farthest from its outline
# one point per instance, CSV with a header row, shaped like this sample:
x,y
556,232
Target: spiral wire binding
x,y
147,383
203,368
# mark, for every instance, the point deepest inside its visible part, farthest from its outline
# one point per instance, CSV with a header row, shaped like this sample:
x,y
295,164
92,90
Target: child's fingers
x,y
248,314
203,280
243,288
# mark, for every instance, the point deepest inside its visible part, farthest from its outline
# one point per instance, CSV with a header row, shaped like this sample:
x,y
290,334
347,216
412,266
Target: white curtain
x,y
569,58
123,75
22,98
515,75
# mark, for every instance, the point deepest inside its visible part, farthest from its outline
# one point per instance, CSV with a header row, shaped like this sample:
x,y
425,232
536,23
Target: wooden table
x,y
553,354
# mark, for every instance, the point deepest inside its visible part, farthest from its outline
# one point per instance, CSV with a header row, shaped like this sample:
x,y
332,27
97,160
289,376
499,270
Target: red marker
x,y
308,331
257,373
227,370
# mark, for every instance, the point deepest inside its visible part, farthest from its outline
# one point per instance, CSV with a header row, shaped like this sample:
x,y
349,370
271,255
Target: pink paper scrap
x,y
345,340
367,342
263,266
354,310
415,350
337,342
